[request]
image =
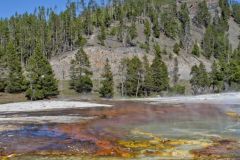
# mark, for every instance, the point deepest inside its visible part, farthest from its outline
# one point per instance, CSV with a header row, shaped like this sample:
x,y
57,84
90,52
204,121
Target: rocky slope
x,y
115,51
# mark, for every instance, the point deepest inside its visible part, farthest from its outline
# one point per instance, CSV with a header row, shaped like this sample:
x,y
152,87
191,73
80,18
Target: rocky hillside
x,y
115,50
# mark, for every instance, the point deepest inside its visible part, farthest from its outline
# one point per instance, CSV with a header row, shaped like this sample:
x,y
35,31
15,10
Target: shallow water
x,y
135,130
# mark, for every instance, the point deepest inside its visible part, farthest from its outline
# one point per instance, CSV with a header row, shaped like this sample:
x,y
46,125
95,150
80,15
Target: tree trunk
x,y
138,85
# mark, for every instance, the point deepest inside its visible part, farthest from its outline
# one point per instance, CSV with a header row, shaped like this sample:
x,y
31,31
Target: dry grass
x,y
9,98
67,93
65,90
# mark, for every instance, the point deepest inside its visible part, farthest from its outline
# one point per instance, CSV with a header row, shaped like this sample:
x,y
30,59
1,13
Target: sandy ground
x,y
223,98
46,105
44,119
14,113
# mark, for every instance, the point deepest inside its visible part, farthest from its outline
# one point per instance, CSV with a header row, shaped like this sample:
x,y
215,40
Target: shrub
x,y
178,89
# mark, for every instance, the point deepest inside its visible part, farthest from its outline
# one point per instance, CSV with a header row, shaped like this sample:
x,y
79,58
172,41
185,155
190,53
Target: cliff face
x,y
115,51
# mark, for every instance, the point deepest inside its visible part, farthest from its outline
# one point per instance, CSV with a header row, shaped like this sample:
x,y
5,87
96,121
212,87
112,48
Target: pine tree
x,y
107,89
157,50
216,78
236,12
232,74
147,30
159,72
148,81
208,42
175,71
88,23
120,32
42,83
204,77
200,79
215,42
203,17
224,5
80,73
107,18
15,80
170,24
81,41
132,34
194,80
133,82
102,35
3,68
133,31
2,84
196,50
156,27
184,15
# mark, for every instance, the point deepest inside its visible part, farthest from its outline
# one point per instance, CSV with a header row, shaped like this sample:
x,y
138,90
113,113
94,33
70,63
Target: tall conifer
x,y
81,73
42,83
159,72
15,79
107,90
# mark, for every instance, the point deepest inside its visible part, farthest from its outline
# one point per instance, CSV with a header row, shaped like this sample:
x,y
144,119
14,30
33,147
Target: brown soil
x,y
8,98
